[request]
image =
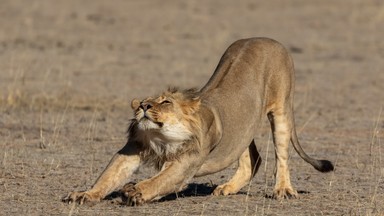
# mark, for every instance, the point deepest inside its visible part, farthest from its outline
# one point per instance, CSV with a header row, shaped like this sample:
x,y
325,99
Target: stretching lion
x,y
194,133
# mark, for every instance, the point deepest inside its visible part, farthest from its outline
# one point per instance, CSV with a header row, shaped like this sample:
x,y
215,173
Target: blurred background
x,y
69,69
80,50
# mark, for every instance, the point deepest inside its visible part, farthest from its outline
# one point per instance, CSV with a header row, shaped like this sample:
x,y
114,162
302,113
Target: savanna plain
x,y
69,69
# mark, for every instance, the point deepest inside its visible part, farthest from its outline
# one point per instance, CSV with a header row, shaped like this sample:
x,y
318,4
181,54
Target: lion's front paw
x,y
285,193
132,194
81,197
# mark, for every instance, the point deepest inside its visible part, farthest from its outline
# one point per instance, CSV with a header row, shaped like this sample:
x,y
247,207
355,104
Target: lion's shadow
x,y
192,190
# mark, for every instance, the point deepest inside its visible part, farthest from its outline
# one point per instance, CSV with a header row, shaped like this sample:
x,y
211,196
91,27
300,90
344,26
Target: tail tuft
x,y
324,166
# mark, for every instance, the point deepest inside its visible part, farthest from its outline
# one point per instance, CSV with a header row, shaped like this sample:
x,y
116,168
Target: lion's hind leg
x,y
281,130
249,163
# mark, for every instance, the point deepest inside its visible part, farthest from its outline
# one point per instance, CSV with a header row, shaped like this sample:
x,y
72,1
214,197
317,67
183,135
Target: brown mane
x,y
189,102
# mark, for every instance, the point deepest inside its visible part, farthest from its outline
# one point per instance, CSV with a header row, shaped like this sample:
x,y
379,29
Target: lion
x,y
192,133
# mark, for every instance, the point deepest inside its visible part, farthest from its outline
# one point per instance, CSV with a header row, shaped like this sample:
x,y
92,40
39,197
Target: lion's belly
x,y
238,131
220,158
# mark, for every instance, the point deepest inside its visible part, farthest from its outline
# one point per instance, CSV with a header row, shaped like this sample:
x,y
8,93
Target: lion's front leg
x,y
117,173
172,178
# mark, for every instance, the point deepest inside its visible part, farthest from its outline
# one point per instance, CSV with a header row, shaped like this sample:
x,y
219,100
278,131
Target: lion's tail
x,y
320,165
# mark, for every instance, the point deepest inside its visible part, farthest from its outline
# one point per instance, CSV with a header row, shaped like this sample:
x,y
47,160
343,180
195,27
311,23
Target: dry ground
x,y
68,70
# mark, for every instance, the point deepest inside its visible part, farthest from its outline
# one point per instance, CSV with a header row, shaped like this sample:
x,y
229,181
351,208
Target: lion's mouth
x,y
148,120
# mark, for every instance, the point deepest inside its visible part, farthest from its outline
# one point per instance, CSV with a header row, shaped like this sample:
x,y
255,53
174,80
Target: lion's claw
x,y
132,194
80,197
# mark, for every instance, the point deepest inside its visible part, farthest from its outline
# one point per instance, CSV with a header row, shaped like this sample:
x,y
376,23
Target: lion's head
x,y
167,122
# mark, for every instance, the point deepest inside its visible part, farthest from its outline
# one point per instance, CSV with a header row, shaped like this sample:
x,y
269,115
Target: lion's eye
x,y
166,102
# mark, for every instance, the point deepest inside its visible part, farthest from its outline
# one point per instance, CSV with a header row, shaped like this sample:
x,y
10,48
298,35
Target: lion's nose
x,y
145,106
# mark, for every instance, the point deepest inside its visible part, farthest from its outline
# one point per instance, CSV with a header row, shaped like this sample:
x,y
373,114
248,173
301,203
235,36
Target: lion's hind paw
x,y
285,193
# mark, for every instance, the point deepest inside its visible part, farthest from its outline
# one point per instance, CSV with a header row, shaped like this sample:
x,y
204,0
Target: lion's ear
x,y
135,104
191,106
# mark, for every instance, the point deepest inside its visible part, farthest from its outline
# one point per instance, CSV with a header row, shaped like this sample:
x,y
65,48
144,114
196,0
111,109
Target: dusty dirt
x,y
68,70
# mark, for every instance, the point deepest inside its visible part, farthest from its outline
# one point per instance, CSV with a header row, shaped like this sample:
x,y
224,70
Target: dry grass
x,y
69,69
18,99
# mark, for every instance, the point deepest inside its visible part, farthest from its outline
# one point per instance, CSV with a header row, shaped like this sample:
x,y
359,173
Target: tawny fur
x,y
194,133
